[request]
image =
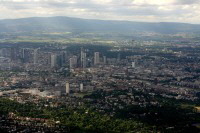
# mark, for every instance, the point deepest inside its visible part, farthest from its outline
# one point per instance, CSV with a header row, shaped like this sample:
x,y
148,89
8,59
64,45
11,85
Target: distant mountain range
x,y
67,24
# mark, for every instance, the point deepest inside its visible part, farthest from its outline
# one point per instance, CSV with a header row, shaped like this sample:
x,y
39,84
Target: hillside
x,y
62,24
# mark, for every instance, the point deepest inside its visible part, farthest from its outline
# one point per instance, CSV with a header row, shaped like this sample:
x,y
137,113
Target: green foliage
x,y
79,118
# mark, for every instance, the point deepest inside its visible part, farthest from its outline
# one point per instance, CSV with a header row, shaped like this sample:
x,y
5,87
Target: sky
x,y
187,11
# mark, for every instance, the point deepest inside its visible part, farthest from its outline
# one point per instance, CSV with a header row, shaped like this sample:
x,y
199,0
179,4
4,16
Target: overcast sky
x,y
132,10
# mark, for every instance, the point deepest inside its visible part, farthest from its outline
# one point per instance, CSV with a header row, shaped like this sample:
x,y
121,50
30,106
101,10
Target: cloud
x,y
186,2
133,10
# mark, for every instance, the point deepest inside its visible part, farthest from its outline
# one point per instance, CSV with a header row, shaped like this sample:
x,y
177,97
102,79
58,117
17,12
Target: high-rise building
x,y
53,60
133,64
35,56
59,62
83,59
26,55
4,52
64,58
67,88
14,53
73,62
82,56
23,53
96,58
81,87
104,59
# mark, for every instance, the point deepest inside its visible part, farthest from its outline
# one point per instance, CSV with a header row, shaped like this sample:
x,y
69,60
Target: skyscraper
x,y
14,53
83,58
81,87
27,55
67,88
53,60
59,62
35,56
64,58
104,59
73,62
133,64
96,58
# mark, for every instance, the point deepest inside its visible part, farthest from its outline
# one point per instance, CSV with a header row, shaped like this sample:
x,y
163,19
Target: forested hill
x,y
67,24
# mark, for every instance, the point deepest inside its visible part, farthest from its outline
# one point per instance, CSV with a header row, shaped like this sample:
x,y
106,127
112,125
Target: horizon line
x,y
97,19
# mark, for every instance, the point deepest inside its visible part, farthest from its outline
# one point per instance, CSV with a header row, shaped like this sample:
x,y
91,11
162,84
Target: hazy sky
x,y
132,10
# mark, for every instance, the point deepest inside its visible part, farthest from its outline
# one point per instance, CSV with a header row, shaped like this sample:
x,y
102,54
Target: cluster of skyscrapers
x,y
84,61
53,59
